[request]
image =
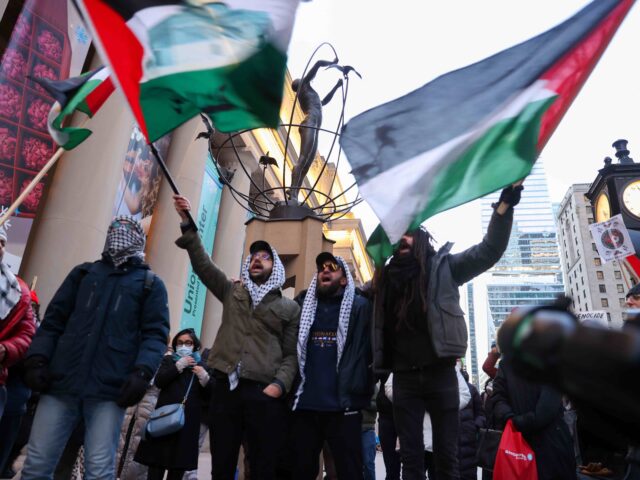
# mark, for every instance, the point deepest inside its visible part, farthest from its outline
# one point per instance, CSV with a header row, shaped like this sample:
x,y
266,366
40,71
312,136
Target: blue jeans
x,y
369,454
3,398
55,419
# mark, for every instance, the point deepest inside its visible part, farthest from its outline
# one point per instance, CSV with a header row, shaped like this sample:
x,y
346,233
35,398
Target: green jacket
x,y
263,339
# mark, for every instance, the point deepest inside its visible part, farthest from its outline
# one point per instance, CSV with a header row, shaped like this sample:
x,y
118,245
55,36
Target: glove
x,y
510,195
182,363
36,373
134,387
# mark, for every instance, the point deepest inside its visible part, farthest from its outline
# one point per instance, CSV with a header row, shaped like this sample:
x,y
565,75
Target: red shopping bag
x,y
515,459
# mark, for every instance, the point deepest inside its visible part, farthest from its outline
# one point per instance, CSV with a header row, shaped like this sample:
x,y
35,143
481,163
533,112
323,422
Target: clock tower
x,y
616,190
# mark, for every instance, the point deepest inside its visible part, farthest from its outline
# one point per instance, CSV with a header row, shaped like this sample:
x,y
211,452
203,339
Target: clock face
x,y
631,198
603,210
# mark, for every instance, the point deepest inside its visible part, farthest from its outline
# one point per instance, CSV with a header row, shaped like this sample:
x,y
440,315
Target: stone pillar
x,y
186,161
228,246
72,224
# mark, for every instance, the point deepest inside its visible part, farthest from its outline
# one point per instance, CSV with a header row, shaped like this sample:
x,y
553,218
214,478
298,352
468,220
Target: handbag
x,y
167,419
488,441
515,458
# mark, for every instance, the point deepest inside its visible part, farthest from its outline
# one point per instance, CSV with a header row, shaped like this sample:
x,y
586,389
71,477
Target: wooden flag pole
x,y
172,183
18,201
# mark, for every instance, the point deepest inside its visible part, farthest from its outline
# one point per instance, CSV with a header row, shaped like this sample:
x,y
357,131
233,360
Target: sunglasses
x,y
261,255
332,266
127,225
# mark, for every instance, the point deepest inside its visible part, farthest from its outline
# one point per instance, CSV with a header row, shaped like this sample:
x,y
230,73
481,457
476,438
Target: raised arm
x,y
311,74
213,278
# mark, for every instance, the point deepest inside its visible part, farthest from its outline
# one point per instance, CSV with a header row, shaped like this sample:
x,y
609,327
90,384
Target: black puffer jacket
x,y
537,413
471,419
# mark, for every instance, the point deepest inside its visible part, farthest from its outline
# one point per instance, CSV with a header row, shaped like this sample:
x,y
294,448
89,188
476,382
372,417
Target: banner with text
x,y
207,221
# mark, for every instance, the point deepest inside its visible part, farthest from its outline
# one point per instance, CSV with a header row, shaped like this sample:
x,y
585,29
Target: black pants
x,y
245,412
342,432
388,438
157,473
434,389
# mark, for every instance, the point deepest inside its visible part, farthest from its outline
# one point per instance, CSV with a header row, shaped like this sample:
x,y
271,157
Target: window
x,y
618,275
608,317
588,209
593,247
590,220
620,288
582,280
622,302
603,288
580,267
597,262
599,275
604,302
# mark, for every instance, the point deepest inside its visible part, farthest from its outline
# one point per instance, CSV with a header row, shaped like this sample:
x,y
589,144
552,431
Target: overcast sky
x,y
399,46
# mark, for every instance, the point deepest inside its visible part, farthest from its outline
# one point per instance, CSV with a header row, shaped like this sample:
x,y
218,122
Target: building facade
x,y
592,284
529,272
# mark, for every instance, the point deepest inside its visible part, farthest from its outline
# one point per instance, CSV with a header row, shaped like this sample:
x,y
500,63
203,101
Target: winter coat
x,y
262,339
355,377
16,331
178,450
536,412
139,414
427,429
445,318
471,419
101,323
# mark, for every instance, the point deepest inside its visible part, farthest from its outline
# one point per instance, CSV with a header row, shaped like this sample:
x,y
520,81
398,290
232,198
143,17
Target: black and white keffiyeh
x,y
10,291
125,239
308,315
275,280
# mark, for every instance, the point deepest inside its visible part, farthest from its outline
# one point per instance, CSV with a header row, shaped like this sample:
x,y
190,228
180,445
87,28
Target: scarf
x,y
124,242
403,274
10,291
307,317
275,280
196,356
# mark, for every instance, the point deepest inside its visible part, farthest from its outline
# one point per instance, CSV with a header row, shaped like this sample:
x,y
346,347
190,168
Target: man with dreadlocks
x,y
336,380
253,357
103,335
420,331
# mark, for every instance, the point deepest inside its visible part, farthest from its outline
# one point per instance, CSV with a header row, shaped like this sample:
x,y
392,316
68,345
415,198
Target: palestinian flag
x,y
474,130
175,59
85,93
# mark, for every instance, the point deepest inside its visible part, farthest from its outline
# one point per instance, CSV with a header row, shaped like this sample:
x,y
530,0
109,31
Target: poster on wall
x,y
48,41
141,177
207,220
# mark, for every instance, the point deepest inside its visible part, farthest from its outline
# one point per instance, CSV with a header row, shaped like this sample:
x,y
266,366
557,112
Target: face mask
x,y
184,351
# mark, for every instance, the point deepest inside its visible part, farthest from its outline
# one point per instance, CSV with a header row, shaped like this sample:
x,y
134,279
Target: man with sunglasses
x,y
253,357
336,381
102,337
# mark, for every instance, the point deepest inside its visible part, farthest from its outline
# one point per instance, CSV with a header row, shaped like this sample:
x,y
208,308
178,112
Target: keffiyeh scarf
x,y
308,315
125,241
10,291
276,279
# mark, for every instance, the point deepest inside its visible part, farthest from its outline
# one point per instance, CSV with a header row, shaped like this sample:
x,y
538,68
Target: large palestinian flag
x,y
85,93
473,130
175,59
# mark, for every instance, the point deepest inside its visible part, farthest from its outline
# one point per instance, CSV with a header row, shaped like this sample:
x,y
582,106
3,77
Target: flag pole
x,y
172,183
43,171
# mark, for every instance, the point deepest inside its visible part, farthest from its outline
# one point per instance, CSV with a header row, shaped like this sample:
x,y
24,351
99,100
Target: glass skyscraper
x,y
529,272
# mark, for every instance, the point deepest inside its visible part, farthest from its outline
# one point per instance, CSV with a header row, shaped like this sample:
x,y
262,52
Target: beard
x,y
326,291
261,277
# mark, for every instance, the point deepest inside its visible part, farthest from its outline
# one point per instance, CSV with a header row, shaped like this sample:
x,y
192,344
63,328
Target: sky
x,y
399,46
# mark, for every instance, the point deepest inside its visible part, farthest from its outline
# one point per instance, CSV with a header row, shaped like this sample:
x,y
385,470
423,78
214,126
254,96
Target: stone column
x,y
186,161
72,224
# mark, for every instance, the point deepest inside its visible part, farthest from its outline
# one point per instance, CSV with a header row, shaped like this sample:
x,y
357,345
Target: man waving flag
x,y
175,59
473,130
